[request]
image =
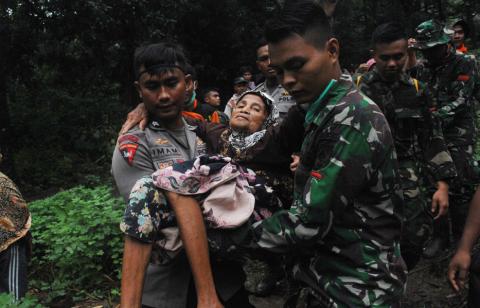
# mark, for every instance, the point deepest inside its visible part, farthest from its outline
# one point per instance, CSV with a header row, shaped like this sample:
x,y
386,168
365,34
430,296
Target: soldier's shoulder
x,y
260,86
462,61
365,117
357,103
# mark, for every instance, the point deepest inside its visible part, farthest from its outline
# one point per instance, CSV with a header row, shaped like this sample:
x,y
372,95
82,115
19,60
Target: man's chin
x,y
303,100
168,117
391,76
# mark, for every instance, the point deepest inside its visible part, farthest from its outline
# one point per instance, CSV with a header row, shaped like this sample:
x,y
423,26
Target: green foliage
x,y
8,301
77,244
74,136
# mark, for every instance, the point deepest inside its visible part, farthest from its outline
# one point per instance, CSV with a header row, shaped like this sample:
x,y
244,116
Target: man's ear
x,y
137,87
333,49
189,83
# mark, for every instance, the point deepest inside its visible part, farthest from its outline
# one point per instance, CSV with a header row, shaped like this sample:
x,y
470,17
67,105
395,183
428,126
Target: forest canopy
x,y
66,67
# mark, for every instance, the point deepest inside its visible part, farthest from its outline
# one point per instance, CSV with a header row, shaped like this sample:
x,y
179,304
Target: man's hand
x,y
411,42
295,162
440,200
362,68
458,270
139,116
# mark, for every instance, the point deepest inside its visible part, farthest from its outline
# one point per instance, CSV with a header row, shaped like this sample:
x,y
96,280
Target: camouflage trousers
x,y
461,191
418,222
476,150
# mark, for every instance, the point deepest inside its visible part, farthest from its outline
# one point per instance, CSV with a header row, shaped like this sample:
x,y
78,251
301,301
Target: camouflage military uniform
x,y
476,96
452,84
344,225
419,144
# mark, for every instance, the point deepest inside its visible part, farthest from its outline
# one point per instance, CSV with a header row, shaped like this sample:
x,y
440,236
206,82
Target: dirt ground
x,y
427,287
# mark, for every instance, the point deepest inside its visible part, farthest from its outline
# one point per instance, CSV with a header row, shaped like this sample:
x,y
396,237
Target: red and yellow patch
x,y
128,151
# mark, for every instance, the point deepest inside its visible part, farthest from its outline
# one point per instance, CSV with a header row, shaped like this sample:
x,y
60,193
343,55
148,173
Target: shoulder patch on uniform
x,y
317,175
127,138
128,151
463,78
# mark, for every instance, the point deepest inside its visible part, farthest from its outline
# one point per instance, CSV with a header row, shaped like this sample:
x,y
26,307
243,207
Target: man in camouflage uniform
x,y
450,79
344,226
418,136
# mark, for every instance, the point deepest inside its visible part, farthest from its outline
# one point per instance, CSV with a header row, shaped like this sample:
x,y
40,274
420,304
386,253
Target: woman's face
x,y
249,114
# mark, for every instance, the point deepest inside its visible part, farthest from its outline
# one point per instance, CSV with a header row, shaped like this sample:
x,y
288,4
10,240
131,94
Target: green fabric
x,y
313,109
189,104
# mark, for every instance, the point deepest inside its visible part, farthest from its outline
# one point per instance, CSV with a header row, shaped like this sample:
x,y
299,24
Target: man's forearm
x,y
135,260
194,238
472,226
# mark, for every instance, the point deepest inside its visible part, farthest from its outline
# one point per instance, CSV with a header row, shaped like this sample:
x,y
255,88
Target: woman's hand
x,y
295,162
139,116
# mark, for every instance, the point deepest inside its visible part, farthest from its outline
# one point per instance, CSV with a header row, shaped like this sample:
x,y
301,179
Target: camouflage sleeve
x,y
436,157
341,170
461,92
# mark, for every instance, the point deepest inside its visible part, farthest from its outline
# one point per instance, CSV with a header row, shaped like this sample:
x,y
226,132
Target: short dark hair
x,y
190,69
388,33
244,69
208,90
260,43
462,23
158,58
302,17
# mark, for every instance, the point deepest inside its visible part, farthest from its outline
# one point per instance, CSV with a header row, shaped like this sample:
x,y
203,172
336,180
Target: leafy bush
x,y
77,244
7,301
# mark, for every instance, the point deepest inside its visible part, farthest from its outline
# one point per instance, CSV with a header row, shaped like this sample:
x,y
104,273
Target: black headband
x,y
159,67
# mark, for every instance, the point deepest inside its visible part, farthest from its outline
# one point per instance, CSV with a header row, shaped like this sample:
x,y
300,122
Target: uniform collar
x,y
329,98
404,78
156,125
263,87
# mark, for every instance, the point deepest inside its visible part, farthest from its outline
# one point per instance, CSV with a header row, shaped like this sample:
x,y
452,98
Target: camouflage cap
x,y
429,34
